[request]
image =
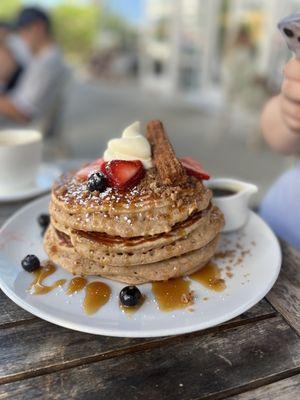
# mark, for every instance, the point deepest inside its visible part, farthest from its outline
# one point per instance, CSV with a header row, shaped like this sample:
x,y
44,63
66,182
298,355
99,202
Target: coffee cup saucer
x,y
46,175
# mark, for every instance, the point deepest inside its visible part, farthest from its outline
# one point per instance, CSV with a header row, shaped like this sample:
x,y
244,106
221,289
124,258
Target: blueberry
x,y
44,220
30,263
130,296
97,181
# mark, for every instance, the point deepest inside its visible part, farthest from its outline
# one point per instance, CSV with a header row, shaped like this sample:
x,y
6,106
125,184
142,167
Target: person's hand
x,y
290,96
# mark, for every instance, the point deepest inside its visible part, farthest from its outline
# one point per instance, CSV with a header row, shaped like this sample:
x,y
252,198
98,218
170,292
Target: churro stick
x,y
169,168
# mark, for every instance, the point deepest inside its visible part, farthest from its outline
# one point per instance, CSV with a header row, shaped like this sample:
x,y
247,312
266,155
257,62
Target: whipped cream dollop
x,y
131,146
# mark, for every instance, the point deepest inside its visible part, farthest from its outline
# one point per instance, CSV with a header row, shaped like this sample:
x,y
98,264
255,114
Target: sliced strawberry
x,y
123,174
85,172
194,168
98,161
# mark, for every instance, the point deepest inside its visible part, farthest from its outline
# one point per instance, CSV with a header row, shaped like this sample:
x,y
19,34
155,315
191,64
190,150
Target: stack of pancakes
x,y
162,228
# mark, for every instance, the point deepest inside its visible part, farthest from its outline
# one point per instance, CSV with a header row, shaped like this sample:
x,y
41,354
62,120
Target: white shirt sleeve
x,y
38,85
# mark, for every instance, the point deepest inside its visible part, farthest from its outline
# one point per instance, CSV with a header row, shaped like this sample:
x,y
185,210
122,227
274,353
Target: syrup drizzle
x,y
97,294
170,295
173,294
210,277
76,285
37,286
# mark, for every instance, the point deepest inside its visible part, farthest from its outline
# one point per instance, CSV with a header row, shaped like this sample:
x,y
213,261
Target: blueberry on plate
x,y
97,181
44,220
130,296
30,263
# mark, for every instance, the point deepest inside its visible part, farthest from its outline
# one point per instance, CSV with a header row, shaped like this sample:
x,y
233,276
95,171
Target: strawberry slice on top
x,y
123,174
194,168
85,172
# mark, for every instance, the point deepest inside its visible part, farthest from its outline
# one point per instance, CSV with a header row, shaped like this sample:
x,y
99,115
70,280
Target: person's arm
x,y
38,86
280,120
10,111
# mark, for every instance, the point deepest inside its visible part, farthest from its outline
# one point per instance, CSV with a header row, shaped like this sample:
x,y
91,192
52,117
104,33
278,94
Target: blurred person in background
x,y
38,88
280,122
19,49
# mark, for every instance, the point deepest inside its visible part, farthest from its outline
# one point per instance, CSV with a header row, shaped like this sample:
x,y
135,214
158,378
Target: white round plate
x,y
252,279
44,180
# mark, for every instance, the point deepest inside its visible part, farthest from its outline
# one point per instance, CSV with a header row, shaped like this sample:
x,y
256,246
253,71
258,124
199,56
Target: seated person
x,y
280,123
37,89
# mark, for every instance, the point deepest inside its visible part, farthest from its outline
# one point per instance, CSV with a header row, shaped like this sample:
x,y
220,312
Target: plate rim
x,y
34,310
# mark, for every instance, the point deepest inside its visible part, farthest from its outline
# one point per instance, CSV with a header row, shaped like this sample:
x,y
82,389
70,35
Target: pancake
x,y
150,250
104,242
140,225
146,209
64,254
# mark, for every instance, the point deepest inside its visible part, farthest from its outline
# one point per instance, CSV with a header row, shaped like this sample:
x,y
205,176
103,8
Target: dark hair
x,y
29,15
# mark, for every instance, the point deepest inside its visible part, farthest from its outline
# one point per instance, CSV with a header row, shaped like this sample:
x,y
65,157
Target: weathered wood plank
x,y
50,347
209,366
47,347
285,295
286,389
10,313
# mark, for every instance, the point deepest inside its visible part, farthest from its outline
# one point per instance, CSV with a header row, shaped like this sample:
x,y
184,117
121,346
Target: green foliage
x,y
9,8
75,28
119,27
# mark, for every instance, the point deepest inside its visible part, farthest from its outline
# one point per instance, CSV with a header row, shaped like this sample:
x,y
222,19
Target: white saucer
x,y
46,176
252,278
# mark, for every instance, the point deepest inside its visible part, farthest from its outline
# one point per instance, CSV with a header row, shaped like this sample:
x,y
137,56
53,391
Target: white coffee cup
x,y
20,158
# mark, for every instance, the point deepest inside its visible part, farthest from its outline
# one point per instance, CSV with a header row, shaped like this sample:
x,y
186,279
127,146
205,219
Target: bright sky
x,y
130,9
49,3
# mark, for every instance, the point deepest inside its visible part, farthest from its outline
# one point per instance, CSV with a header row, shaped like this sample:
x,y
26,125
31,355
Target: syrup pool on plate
x,y
210,277
37,286
76,285
173,294
97,294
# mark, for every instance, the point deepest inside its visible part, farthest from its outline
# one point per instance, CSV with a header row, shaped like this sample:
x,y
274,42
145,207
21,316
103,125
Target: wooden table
x,y
255,356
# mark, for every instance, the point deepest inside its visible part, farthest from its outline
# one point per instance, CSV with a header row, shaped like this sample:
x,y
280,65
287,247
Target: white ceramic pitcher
x,y
235,207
